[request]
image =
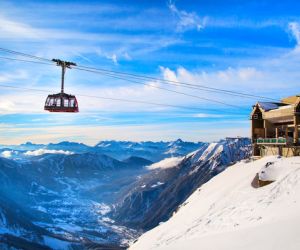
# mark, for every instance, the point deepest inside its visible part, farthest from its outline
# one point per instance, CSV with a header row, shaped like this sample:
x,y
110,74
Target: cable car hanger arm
x,y
64,65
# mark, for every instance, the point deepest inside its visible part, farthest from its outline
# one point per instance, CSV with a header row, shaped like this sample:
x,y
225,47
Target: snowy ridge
x,y
228,213
145,204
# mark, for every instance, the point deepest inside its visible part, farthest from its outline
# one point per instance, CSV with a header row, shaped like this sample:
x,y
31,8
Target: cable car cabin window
x,y
72,103
57,103
66,103
47,103
51,102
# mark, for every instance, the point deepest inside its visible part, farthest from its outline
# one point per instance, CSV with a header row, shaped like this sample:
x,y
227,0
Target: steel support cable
x,y
114,99
179,83
224,91
169,90
132,81
25,55
22,60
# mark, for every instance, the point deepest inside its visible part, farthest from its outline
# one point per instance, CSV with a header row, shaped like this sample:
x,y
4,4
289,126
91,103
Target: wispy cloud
x,y
13,76
51,41
205,115
11,29
294,28
47,151
186,20
114,58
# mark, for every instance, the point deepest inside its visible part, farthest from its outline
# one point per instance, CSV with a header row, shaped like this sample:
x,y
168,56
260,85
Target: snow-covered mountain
x,y
229,213
71,196
120,150
157,194
154,151
61,201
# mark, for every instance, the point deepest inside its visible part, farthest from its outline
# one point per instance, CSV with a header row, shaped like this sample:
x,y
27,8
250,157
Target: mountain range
x,y
73,196
120,150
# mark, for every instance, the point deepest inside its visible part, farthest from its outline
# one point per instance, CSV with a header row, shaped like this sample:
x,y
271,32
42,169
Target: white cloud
x,y
186,20
21,102
113,57
294,28
15,75
47,151
240,74
204,115
10,28
168,74
166,163
6,154
248,73
230,78
7,106
234,78
69,42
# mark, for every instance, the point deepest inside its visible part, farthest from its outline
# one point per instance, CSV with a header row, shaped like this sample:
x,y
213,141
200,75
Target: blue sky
x,y
247,46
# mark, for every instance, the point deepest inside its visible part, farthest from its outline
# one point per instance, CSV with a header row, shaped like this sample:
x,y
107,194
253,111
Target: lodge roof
x,y
266,106
287,102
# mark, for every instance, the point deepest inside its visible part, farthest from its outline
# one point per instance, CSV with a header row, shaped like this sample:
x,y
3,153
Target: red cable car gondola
x,y
62,102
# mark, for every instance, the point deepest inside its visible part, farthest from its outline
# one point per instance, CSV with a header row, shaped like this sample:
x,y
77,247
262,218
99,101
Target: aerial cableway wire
x,y
106,72
22,60
170,82
121,100
133,81
182,84
161,88
25,55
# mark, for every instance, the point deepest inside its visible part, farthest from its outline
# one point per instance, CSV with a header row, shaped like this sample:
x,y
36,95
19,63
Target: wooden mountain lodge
x,y
275,127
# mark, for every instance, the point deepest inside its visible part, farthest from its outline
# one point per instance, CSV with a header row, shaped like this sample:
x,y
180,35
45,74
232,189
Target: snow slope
x,y
145,204
228,213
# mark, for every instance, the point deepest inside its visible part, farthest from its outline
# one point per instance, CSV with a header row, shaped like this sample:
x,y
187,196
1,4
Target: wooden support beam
x,y
266,128
296,133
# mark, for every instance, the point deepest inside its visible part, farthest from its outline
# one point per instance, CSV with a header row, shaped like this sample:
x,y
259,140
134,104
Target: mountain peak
x,y
178,140
28,143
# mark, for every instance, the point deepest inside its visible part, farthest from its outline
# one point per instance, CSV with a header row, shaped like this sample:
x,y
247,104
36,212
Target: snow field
x,y
228,213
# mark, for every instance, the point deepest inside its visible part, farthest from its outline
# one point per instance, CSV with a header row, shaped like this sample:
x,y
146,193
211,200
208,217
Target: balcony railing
x,y
275,141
